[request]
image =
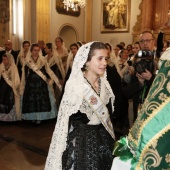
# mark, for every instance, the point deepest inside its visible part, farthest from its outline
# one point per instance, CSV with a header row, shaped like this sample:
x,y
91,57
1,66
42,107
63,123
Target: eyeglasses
x,y
147,41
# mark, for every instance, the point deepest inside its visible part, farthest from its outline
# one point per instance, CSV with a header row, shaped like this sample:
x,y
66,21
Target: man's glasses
x,y
145,41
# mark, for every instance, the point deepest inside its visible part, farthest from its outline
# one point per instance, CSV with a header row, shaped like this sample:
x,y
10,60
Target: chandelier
x,y
74,4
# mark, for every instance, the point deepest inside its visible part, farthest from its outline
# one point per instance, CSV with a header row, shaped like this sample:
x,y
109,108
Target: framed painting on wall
x,y
4,8
115,16
61,10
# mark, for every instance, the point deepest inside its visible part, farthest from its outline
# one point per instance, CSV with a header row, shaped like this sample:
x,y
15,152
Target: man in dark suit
x,y
8,49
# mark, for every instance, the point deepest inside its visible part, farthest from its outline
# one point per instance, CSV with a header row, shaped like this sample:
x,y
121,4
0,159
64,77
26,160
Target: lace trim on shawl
x,y
51,61
36,66
56,60
63,53
6,74
12,79
21,58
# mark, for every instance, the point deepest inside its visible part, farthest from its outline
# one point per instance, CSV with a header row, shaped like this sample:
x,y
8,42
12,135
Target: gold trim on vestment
x,y
145,122
155,138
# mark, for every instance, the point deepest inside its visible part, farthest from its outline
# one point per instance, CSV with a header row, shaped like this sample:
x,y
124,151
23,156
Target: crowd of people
x,y
92,89
31,81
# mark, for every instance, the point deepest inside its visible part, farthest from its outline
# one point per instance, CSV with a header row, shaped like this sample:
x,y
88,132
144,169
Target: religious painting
x,y
62,10
4,8
115,16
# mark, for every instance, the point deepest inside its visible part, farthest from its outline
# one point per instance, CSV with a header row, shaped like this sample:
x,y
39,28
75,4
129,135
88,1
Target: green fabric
x,y
149,136
121,149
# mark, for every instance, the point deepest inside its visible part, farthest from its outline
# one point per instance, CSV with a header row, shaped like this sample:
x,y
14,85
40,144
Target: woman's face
x,y
74,50
108,49
5,60
125,55
47,50
129,47
116,49
58,42
97,64
136,48
26,47
35,51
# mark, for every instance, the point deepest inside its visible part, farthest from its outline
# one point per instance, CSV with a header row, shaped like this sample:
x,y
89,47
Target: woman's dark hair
x,y
75,45
122,43
25,42
110,47
49,45
34,45
59,39
136,42
119,46
121,51
93,47
79,43
129,45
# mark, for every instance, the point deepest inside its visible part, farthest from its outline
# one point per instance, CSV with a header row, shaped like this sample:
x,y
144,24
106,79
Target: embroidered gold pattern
x,y
167,158
167,64
157,85
149,144
168,73
168,87
152,154
162,97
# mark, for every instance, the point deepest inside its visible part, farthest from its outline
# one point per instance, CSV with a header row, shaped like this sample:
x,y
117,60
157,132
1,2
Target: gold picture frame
x,y
115,16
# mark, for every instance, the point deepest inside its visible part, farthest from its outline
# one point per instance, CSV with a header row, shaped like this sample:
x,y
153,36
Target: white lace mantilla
x,y
70,104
